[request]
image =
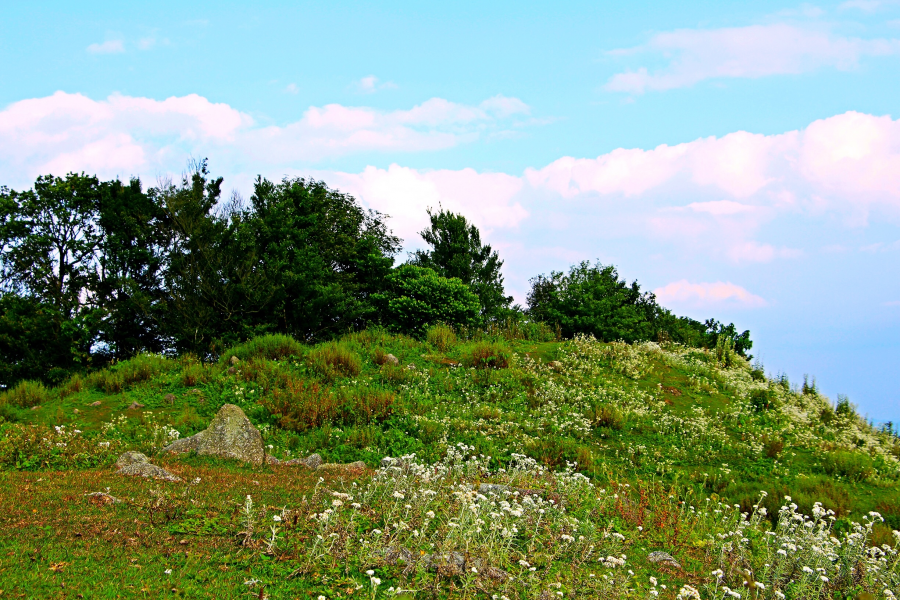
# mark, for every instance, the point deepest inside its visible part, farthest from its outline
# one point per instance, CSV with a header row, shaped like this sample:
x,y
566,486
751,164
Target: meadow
x,y
524,466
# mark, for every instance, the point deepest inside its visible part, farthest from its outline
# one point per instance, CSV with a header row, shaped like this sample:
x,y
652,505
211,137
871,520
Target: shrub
x,y
854,466
195,374
116,378
441,336
395,374
26,394
607,416
302,405
333,359
488,355
761,400
268,347
773,447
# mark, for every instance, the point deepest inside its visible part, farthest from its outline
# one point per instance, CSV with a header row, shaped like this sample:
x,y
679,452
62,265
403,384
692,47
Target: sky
x,y
741,160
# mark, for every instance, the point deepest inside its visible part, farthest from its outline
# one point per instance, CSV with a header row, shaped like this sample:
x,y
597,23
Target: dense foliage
x,y
95,272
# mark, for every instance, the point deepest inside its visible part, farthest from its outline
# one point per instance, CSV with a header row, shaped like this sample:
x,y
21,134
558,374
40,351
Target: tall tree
x,y
324,256
457,251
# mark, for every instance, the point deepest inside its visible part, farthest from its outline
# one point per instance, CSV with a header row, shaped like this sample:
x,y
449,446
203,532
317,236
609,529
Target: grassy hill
x,y
601,454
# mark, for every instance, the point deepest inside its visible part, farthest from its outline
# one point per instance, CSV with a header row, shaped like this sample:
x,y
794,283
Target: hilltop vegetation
x,y
651,447
591,444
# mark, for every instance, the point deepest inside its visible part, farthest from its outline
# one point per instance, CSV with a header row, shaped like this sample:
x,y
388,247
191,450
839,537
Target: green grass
x,y
664,420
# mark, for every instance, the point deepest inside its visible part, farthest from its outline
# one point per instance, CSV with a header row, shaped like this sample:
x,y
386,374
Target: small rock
x,y
234,360
229,435
103,498
170,398
136,464
232,370
663,558
352,468
35,407
312,461
390,359
97,403
135,405
76,411
493,488
555,365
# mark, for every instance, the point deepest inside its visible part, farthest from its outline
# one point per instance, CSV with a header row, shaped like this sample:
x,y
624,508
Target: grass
x,y
660,428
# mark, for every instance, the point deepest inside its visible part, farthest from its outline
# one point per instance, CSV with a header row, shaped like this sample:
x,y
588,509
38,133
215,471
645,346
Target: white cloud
x,y
371,84
67,131
868,6
694,55
292,88
686,294
487,199
107,47
752,251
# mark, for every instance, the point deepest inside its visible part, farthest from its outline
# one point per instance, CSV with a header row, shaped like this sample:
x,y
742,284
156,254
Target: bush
x,y
334,359
416,298
854,466
26,394
303,405
441,336
116,378
488,355
607,416
269,347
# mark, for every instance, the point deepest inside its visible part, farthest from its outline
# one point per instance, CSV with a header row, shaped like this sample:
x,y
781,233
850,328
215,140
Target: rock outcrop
x,y
229,435
135,464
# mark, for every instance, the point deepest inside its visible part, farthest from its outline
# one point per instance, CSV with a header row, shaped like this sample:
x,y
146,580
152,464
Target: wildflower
x,y
276,518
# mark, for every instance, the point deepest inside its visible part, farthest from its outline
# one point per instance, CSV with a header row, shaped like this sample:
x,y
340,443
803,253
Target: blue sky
x,y
740,159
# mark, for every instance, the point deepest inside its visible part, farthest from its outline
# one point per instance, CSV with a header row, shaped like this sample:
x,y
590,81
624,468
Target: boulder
x,y
663,558
135,405
170,398
97,403
234,360
390,359
229,435
135,464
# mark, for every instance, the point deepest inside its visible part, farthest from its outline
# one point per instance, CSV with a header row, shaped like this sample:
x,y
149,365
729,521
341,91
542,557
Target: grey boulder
x,y
229,435
663,558
135,464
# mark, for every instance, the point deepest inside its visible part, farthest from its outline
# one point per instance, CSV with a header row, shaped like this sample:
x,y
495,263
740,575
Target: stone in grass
x,y
354,468
170,398
390,359
312,461
664,559
229,435
97,403
136,464
135,405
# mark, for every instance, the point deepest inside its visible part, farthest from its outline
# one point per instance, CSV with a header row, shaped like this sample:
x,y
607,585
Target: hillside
x,y
608,452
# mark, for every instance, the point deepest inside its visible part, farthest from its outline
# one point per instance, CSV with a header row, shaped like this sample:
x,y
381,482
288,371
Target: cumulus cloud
x,y
686,294
130,134
371,84
846,161
487,199
694,55
107,47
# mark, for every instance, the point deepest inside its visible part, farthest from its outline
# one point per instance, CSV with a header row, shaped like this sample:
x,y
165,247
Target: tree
x,y
323,256
49,239
457,251
416,298
591,299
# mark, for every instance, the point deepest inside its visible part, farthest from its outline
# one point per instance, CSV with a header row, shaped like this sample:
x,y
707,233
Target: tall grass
x,y
25,395
334,359
269,347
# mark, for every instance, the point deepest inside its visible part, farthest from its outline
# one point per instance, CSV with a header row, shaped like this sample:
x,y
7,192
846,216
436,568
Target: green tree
x,y
49,240
457,251
323,256
591,299
416,298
